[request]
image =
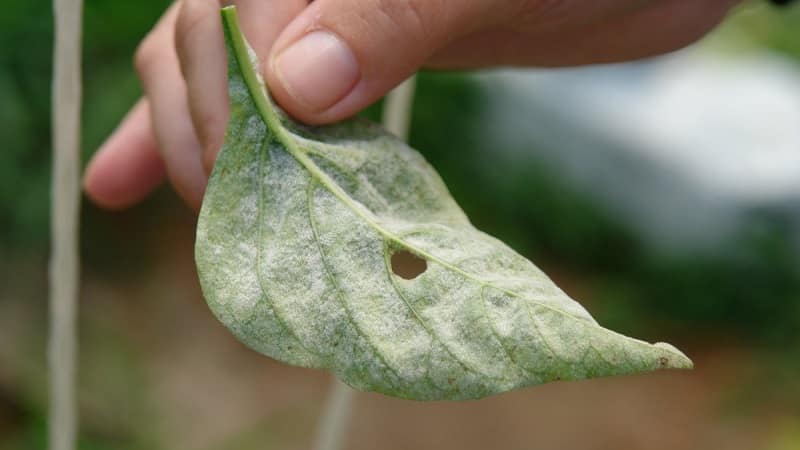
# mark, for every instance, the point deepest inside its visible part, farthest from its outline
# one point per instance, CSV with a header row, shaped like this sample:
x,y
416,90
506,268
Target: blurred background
x,y
664,195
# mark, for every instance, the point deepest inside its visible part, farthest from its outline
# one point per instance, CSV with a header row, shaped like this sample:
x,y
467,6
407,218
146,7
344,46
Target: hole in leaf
x,y
408,265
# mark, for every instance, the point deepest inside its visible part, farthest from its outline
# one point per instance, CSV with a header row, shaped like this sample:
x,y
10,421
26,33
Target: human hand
x,y
326,60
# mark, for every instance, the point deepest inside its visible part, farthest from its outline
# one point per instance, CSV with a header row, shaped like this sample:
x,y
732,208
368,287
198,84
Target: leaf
x,y
296,242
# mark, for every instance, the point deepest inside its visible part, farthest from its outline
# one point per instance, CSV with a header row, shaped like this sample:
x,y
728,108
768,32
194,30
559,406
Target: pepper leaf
x,y
339,247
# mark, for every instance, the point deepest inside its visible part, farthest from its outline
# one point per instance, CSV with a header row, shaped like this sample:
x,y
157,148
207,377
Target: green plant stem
x,y
339,406
65,208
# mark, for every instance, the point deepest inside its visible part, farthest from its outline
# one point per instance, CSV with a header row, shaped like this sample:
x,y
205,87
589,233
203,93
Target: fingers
x,y
334,57
127,167
201,52
186,109
565,15
662,27
666,26
339,56
158,68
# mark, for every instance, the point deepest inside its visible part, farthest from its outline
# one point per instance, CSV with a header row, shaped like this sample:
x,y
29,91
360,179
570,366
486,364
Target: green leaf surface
x,y
303,233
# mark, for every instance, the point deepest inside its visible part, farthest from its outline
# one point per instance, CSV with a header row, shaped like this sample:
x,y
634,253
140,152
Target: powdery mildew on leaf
x,y
294,251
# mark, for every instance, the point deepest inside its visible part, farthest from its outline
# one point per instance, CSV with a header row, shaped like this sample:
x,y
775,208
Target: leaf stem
x,y
65,224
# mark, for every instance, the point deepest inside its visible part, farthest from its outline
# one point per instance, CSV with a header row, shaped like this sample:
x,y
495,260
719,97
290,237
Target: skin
x,y
176,129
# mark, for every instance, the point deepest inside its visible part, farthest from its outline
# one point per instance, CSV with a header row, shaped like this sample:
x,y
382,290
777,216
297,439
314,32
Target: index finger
x,y
201,51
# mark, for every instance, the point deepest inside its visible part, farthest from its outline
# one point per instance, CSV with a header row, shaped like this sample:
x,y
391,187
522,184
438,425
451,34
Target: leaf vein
x,y
262,159
496,335
423,322
329,273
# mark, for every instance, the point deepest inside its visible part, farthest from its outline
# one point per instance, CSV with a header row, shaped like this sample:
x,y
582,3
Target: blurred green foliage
x,y
751,293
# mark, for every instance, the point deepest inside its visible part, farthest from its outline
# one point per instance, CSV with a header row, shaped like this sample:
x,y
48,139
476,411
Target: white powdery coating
x,y
294,250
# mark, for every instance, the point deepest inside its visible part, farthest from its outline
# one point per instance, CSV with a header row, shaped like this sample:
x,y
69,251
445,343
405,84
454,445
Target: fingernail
x,y
318,70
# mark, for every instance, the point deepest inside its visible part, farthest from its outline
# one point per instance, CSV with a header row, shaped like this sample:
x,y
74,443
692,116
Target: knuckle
x,y
543,13
412,18
193,16
146,55
207,123
212,130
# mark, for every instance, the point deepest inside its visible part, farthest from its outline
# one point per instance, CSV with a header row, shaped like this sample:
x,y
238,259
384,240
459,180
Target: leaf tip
x,y
672,358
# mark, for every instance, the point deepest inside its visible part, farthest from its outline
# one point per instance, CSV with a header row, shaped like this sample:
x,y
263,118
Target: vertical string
x,y
397,108
335,417
64,217
338,408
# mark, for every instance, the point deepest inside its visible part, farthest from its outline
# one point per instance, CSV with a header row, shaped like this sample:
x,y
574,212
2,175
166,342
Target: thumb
x,y
338,56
